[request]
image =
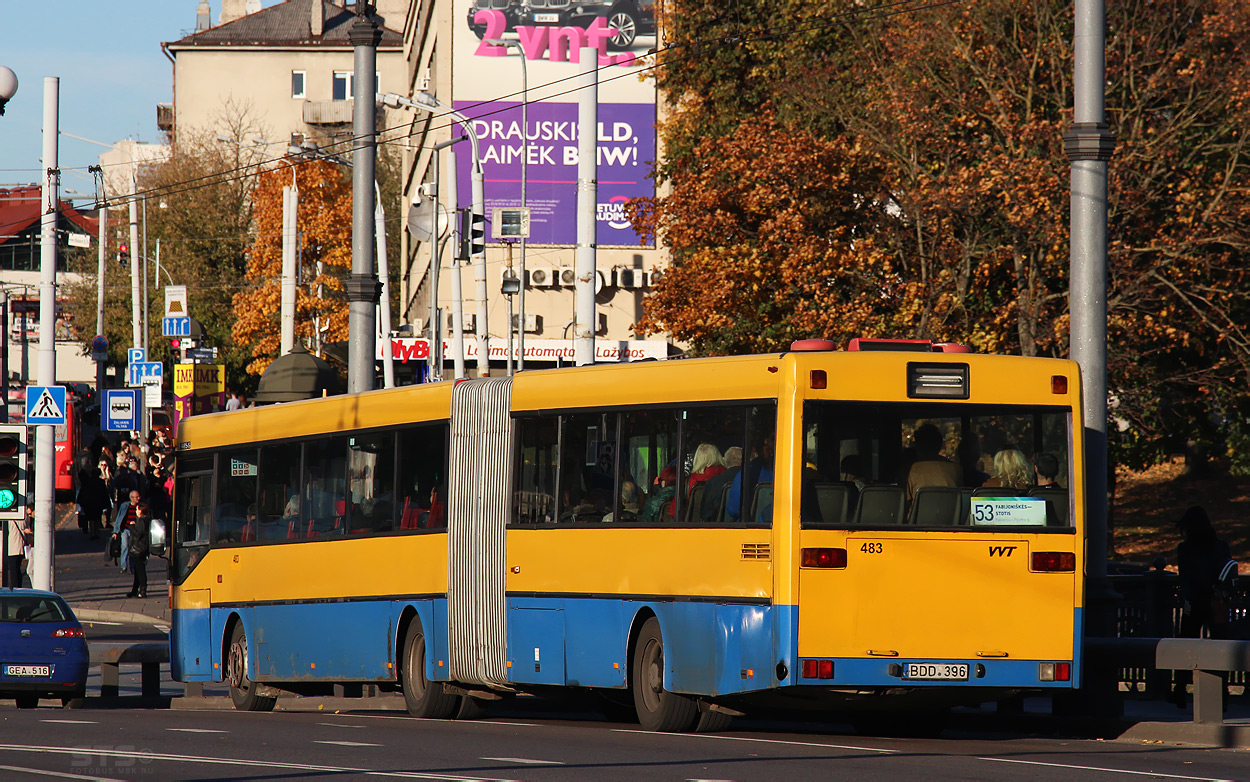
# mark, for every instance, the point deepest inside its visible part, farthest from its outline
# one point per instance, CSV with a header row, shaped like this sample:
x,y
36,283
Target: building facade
x,y
487,60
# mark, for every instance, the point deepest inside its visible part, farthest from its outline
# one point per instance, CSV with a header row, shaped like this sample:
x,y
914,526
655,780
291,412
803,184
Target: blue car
x,y
43,653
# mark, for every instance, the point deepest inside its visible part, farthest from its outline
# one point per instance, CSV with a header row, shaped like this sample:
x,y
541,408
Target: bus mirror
x,y
157,537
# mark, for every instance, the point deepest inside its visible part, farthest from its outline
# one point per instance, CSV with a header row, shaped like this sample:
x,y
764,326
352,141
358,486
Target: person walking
x,y
1200,558
122,524
138,550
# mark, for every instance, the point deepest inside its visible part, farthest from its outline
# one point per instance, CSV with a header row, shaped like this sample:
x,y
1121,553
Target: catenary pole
x,y
587,195
362,285
45,435
1088,146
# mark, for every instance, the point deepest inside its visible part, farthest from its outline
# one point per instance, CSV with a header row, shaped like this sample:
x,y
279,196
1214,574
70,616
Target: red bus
x,y
67,447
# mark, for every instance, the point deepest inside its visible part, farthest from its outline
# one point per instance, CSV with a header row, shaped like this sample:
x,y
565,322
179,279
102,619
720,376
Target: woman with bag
x,y
139,551
1200,557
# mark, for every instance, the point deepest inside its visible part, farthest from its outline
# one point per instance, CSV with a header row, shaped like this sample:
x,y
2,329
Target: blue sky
x,y
113,74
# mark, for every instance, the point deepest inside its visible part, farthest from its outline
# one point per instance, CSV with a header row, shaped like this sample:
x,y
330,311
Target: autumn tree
x,y
197,207
899,171
325,238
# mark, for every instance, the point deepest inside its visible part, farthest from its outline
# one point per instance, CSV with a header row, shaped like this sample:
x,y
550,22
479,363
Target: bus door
x,y
190,631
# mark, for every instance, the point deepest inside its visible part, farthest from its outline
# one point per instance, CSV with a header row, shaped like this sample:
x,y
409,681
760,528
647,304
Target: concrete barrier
x,y
110,657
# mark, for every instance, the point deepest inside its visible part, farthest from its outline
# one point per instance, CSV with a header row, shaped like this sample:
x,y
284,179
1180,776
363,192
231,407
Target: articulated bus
x,y
689,539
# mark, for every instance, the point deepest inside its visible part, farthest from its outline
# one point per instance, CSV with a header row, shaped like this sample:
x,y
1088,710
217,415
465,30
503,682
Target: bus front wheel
x,y
424,698
658,709
242,689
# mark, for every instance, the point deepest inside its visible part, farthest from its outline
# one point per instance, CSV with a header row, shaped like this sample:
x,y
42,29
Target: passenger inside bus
x,y
930,467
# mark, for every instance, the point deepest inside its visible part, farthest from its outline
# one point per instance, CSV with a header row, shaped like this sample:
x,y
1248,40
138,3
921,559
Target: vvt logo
x,y
1002,551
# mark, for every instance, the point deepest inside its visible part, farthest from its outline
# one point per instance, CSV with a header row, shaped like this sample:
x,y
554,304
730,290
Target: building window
x,y
342,89
343,86
297,84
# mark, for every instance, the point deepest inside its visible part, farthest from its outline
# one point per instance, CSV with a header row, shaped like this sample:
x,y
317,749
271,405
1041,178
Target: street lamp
x,y
8,86
423,101
525,159
511,286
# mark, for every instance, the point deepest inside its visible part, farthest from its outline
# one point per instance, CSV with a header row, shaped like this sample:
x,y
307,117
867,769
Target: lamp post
x,y
312,151
8,88
525,159
427,102
511,286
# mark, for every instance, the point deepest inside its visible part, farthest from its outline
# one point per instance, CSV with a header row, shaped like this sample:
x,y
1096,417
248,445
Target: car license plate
x,y
936,671
546,17
28,670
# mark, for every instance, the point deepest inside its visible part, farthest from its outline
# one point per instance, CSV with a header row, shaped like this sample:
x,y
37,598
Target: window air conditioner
x,y
543,277
531,323
630,278
568,277
470,322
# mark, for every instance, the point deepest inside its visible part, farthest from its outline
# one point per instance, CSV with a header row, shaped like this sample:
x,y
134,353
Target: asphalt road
x,y
514,745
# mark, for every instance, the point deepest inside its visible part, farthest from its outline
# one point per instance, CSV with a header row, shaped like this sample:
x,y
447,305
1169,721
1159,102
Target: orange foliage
x,y
325,236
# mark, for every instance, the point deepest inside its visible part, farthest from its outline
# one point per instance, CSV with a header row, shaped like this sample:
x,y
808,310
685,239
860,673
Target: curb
x,y
332,705
123,617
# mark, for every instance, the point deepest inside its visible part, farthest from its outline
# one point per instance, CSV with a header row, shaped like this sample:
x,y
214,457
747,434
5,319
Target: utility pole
x,y
290,212
362,285
45,435
103,213
1088,146
587,195
136,296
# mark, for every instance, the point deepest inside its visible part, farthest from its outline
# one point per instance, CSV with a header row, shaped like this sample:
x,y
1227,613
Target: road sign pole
x,y
45,437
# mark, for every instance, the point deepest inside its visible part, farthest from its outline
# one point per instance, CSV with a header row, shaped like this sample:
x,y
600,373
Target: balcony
x,y
328,112
165,117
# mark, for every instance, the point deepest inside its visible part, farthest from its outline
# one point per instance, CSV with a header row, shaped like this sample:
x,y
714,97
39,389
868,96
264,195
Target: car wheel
x,y
243,689
625,22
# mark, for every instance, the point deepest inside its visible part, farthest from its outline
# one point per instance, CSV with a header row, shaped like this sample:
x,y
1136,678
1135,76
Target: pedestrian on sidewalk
x,y
123,522
1200,557
93,502
21,534
138,550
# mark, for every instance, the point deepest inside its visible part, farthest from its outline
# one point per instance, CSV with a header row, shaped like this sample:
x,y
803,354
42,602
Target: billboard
x,y
490,86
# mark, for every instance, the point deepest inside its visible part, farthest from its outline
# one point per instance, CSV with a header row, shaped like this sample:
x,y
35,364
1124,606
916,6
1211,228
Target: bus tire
x,y
470,708
243,689
423,697
658,709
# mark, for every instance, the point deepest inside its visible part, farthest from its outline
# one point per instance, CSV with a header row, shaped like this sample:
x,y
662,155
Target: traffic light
x,y
472,234
175,348
123,254
13,471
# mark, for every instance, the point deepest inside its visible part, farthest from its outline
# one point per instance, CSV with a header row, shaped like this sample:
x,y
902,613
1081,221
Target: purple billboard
x,y
626,147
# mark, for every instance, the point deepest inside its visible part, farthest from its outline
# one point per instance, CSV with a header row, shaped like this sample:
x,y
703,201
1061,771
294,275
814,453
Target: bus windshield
x,y
936,465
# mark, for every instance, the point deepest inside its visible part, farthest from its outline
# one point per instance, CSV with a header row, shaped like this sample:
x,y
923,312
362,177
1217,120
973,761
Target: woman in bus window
x,y
1011,470
708,463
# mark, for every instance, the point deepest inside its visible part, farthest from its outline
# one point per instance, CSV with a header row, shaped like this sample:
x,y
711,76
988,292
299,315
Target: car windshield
x,y
32,608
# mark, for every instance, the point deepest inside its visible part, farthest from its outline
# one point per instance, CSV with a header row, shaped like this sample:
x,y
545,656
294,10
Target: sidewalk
x,y
95,588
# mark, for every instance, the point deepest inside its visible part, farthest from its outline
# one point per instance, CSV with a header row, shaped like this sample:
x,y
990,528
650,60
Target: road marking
x,y
266,764
763,741
196,730
61,774
340,725
444,722
530,761
1156,774
71,722
348,743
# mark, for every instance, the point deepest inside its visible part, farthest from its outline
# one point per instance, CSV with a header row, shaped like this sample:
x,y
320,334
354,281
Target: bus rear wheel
x,y
424,698
658,709
242,689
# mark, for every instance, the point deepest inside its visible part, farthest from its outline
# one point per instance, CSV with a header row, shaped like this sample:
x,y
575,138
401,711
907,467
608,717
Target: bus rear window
x,y
935,465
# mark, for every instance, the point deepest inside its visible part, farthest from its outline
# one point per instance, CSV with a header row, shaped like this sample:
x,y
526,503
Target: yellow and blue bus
x,y
692,539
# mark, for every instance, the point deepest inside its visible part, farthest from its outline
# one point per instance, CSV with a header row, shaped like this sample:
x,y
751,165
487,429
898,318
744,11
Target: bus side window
x,y
533,500
421,483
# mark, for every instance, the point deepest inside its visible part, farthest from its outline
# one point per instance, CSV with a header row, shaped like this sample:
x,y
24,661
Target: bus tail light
x,y
1054,672
827,558
819,379
1054,561
818,669
67,468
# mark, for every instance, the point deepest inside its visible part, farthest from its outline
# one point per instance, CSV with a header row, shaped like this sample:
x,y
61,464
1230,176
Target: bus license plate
x,y
936,671
546,17
28,670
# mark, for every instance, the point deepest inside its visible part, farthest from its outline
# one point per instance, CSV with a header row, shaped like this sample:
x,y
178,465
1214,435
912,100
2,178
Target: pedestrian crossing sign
x,y
45,405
